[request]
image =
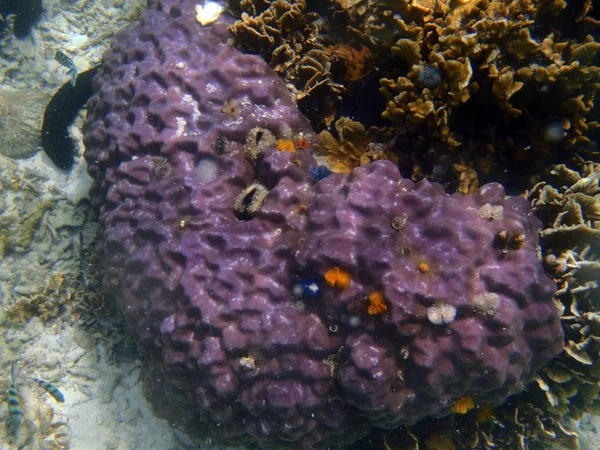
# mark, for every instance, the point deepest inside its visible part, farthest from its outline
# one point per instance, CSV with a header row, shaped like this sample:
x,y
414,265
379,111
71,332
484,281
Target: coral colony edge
x,y
279,305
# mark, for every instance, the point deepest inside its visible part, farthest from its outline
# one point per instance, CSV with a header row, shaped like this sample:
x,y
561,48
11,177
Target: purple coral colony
x,y
219,247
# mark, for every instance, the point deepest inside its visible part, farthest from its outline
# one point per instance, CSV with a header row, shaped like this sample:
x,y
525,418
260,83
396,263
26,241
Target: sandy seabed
x,y
47,234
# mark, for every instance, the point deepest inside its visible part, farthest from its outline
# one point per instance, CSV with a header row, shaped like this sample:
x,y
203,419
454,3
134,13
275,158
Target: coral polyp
x,y
429,76
338,278
463,405
423,268
441,313
517,240
284,145
377,304
486,303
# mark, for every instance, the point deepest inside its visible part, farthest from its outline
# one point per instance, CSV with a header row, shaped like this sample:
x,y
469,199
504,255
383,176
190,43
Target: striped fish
x,y
67,62
51,389
14,405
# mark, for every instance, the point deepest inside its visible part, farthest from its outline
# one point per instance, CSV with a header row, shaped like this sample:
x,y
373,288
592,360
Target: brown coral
x,y
288,38
506,96
349,63
45,303
492,66
509,426
572,242
353,147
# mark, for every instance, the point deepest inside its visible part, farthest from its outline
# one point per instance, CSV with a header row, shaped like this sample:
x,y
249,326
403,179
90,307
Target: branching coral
x,y
491,83
81,297
515,425
288,38
45,304
353,147
348,62
493,66
572,245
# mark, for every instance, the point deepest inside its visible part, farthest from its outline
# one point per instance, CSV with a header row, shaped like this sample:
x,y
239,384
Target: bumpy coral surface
x,y
217,245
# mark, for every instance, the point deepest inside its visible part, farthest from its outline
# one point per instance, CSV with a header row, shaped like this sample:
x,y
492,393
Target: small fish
x,y
383,33
67,62
14,405
319,173
51,389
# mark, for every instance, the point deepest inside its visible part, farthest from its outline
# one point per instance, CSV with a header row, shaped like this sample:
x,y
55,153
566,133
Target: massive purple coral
x,y
178,130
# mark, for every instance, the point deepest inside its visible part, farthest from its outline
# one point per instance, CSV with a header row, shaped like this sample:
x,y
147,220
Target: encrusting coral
x,y
457,62
232,197
568,201
248,295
